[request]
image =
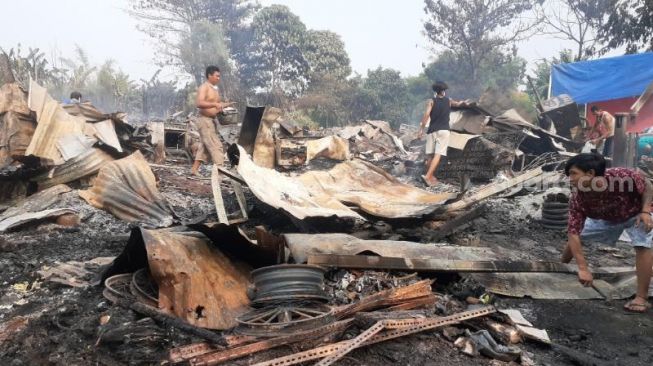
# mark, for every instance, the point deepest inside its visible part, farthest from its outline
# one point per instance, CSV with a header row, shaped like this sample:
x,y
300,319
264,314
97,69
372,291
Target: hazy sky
x,y
376,32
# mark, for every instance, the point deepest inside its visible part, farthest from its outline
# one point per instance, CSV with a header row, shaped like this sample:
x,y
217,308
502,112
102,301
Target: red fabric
x,y
612,204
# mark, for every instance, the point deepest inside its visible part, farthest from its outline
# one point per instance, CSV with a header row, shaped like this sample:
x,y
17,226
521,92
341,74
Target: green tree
x,y
160,98
275,62
204,45
112,89
168,21
391,90
35,65
80,69
630,24
326,55
542,72
477,31
419,92
498,70
360,102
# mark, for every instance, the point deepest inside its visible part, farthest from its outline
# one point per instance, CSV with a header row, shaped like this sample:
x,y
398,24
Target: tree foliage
x,y
578,21
204,45
326,55
475,31
80,69
542,72
34,64
498,70
168,21
630,24
391,90
275,62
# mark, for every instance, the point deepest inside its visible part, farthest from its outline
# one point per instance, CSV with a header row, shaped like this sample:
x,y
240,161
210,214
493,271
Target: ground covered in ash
x,y
60,325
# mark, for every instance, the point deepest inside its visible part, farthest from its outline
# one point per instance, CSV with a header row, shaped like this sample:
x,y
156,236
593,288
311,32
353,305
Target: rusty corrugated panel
x,y
127,188
83,165
53,123
196,282
16,132
13,98
372,189
22,219
331,147
36,202
324,194
16,125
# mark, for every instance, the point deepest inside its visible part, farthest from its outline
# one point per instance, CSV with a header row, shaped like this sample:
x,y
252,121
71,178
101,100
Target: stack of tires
x,y
555,212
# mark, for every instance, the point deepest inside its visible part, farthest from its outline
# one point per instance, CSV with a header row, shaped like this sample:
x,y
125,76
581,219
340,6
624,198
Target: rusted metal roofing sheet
x,y
36,202
374,190
289,194
324,194
53,123
13,98
87,163
127,189
196,282
27,217
16,132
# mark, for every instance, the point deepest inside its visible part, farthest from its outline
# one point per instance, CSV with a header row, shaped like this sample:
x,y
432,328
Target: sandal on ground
x,y
632,307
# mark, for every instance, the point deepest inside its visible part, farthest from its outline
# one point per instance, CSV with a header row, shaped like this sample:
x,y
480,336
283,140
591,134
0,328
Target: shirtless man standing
x,y
209,105
605,127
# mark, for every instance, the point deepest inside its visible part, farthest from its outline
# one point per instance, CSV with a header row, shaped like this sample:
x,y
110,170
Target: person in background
x,y
209,105
75,97
604,125
437,136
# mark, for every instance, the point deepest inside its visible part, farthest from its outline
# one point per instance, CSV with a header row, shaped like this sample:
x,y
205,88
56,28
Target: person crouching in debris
x,y
209,105
437,137
603,204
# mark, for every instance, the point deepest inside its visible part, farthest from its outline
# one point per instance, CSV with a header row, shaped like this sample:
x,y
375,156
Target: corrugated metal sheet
x,y
37,202
302,246
87,163
324,194
374,190
197,282
71,146
13,98
127,189
289,194
53,123
25,218
16,132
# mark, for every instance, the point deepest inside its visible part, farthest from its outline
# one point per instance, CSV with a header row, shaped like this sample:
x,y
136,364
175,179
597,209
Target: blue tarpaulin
x,y
603,79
